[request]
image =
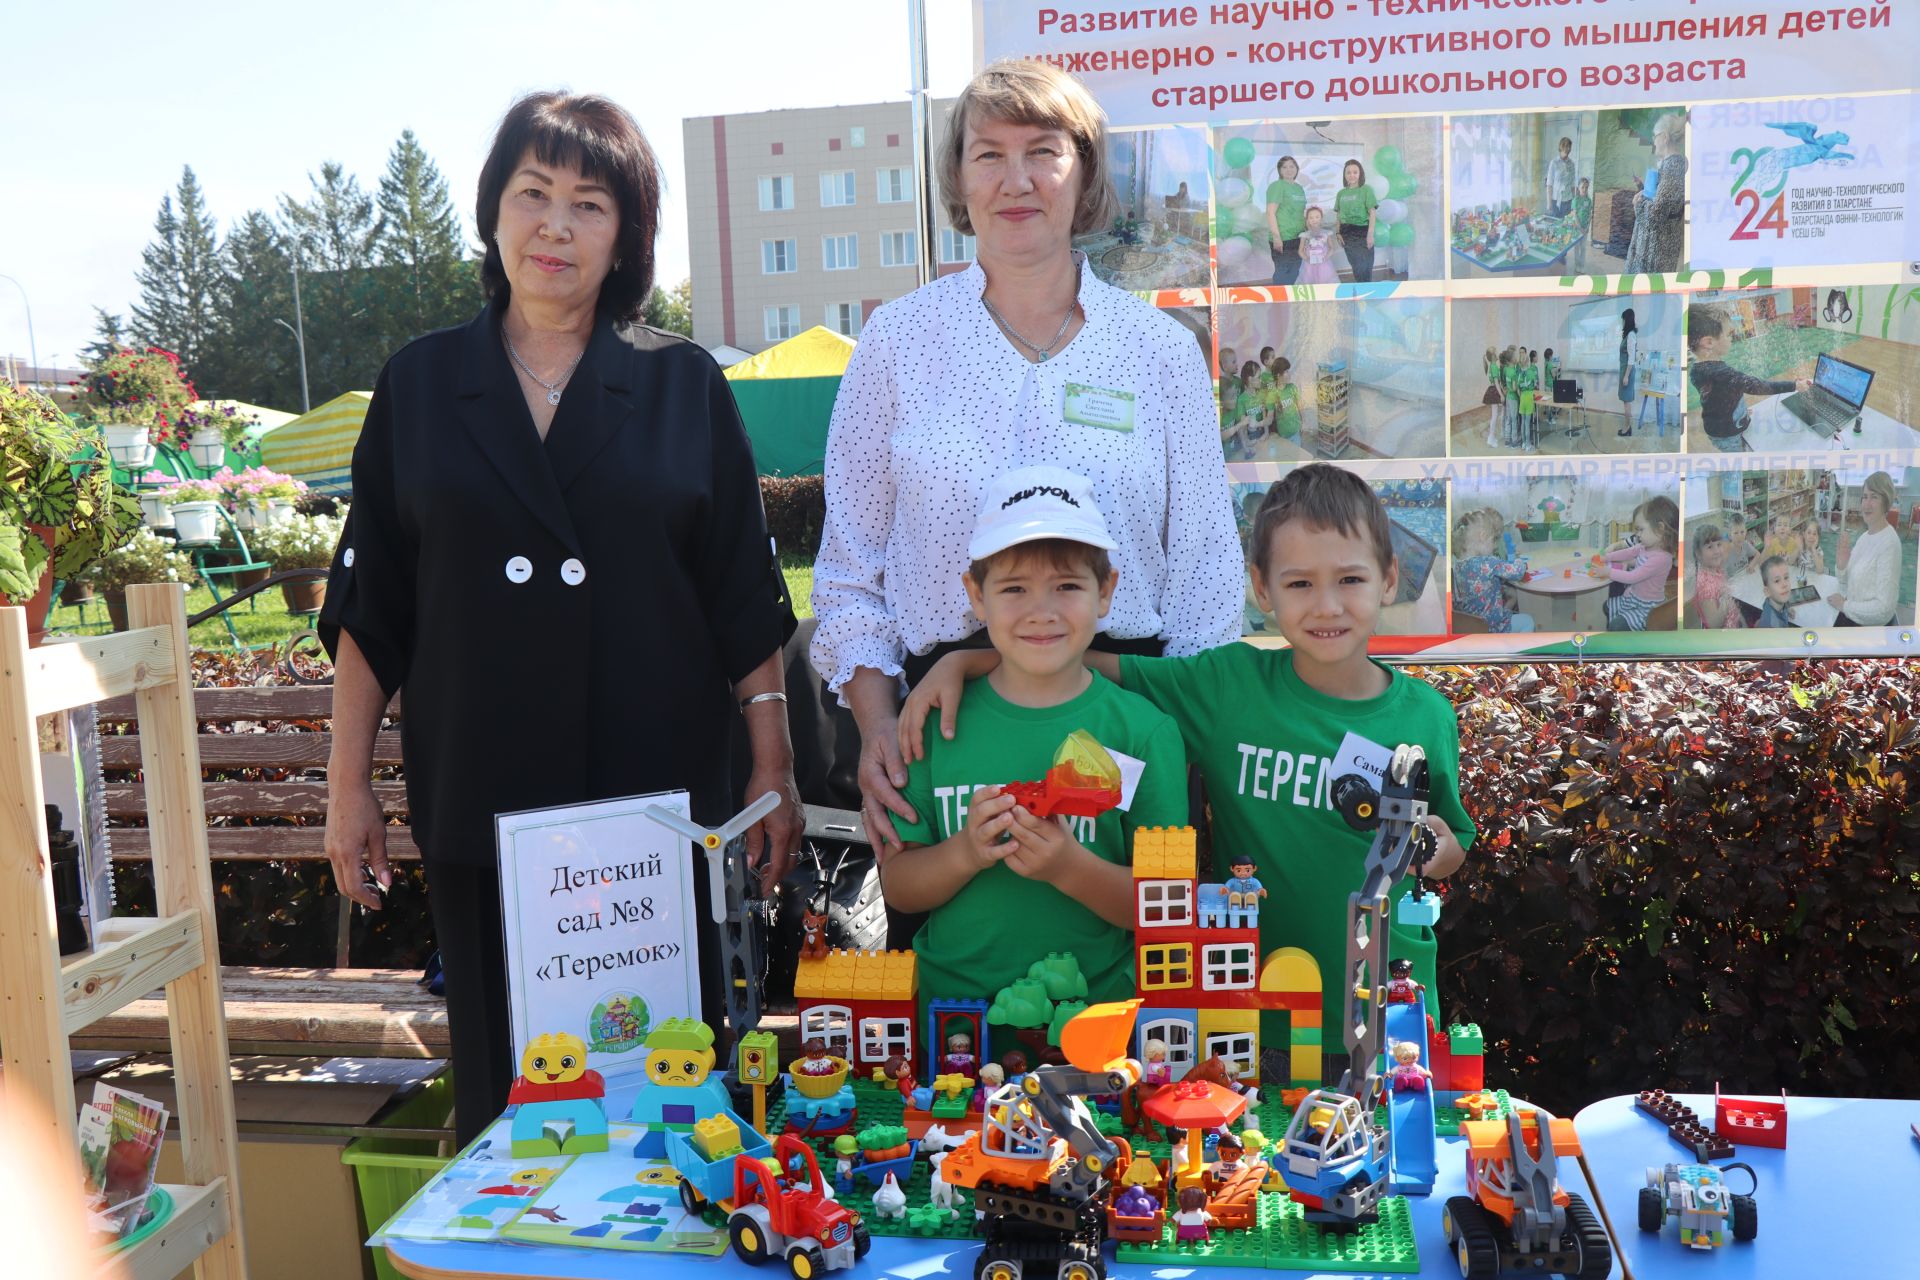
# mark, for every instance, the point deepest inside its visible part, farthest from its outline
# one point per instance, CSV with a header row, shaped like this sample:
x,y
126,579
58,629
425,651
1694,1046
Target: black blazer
x,y
567,619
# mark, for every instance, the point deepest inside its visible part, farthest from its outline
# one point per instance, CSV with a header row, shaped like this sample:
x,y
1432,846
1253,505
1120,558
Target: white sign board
x,y
601,925
1164,63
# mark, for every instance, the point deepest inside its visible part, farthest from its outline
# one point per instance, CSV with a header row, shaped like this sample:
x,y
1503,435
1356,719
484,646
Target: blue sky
x,y
100,110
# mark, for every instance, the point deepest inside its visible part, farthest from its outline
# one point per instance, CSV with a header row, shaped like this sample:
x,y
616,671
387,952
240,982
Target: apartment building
x,y
804,217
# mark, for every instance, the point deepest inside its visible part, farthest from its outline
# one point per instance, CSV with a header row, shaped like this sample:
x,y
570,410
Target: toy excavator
x,y
1516,1217
1039,1169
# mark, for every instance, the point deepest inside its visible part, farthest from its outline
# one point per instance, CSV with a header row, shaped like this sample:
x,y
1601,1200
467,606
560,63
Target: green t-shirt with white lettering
x,y
1265,742
1000,922
1353,204
1289,201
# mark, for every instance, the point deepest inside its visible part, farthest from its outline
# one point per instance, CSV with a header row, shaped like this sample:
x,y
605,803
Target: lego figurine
x,y
959,1059
1157,1071
1408,1075
889,1201
1192,1220
816,1063
844,1150
1016,1064
992,1076
1401,987
680,1090
1227,1164
1244,891
556,1091
813,916
900,1071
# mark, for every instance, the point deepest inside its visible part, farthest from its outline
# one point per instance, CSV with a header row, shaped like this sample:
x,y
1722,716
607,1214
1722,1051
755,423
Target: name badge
x,y
1363,756
1103,407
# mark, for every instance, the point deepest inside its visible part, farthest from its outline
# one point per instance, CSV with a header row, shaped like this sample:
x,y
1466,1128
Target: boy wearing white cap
x,y
1003,887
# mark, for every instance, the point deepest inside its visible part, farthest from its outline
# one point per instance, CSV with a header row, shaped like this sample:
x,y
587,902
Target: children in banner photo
x,y
1723,389
1583,223
1316,250
1003,887
1811,560
1494,398
1740,550
1265,726
1526,384
1481,570
1776,579
1783,539
1713,602
1642,564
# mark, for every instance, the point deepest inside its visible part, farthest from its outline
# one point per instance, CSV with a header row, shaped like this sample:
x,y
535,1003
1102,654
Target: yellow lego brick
x,y
1182,853
1237,1021
717,1136
858,975
1163,853
1304,1061
1290,969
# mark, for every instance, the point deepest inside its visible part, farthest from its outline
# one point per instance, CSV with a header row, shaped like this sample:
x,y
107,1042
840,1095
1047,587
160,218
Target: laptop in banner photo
x,y
1838,394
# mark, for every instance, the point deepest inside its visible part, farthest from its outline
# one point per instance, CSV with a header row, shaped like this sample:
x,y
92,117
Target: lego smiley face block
x,y
555,1058
680,1053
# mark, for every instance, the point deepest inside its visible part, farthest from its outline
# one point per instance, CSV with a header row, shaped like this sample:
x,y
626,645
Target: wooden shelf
x,y
110,977
201,1217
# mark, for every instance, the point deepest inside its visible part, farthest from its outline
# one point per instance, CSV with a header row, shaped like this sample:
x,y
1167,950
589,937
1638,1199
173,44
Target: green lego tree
x,y
1051,993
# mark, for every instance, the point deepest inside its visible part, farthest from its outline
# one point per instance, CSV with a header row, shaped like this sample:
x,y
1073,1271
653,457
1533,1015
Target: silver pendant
x,y
1043,356
553,397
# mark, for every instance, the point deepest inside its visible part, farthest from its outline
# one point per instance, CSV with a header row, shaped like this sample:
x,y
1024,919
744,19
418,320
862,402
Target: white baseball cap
x,y
1032,503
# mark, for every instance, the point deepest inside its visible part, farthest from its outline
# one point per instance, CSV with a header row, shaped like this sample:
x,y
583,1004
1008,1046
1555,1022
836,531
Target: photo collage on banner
x,y
1601,356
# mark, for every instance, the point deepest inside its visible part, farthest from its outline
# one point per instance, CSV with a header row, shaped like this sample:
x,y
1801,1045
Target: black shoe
x,y
1624,431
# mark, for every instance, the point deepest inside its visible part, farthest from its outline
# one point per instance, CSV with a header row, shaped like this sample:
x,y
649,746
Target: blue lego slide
x,y
1410,1115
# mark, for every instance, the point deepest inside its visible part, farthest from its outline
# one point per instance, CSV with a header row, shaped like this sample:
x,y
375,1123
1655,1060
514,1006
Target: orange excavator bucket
x,y
1096,1038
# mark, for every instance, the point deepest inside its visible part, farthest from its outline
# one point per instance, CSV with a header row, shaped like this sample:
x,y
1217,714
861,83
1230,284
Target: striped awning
x,y
317,446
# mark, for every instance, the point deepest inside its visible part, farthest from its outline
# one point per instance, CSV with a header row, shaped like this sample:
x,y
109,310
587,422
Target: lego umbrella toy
x,y
1084,782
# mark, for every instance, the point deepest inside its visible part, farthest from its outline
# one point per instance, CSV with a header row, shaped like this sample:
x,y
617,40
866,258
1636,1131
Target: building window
x,y
844,317
776,193
1235,1048
896,185
836,189
782,323
839,253
898,249
883,1038
857,135
1227,966
1165,902
955,247
832,1023
1166,967
778,257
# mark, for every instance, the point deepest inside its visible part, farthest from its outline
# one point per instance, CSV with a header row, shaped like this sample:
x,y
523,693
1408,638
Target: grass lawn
x,y
799,574
261,621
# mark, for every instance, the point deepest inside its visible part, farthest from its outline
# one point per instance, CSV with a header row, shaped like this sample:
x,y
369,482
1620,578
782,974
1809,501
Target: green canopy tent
x,y
786,396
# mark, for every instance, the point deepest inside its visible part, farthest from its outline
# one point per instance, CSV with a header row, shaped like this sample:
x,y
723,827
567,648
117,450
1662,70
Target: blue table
x,y
1831,1204
915,1259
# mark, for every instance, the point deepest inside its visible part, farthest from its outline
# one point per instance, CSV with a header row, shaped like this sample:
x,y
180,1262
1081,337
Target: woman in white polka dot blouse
x,y
1022,359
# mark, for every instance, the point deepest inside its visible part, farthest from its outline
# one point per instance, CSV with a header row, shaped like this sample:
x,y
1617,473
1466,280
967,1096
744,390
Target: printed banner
x,y
1182,63
602,941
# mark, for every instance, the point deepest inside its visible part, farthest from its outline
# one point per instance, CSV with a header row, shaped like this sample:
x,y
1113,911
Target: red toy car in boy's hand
x,y
1084,782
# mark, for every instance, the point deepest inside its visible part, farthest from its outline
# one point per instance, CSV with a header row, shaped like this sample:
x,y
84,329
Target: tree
x,y
671,310
180,276
426,279
335,234
109,335
256,360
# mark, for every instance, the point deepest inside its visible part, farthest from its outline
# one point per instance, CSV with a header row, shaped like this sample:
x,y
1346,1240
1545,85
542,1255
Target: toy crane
x,y
1334,1157
1039,1168
733,910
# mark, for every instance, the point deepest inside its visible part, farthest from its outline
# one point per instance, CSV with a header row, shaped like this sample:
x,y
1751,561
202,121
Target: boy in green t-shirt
x,y
1004,887
1271,729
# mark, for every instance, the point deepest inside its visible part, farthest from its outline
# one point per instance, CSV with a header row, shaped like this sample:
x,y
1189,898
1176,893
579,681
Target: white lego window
x,y
1178,1037
831,1024
1165,903
1227,966
1235,1048
883,1038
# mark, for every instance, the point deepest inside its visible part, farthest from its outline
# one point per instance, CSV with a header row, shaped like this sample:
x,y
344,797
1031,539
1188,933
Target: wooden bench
x,y
337,1011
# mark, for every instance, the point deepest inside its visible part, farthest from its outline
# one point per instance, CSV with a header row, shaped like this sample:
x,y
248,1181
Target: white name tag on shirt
x,y
1365,757
1104,407
1130,773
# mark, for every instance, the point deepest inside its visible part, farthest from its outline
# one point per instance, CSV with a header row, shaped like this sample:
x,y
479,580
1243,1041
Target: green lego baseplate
x,y
1446,1119
1283,1240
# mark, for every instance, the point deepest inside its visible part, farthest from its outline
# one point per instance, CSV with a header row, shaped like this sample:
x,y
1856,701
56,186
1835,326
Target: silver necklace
x,y
553,388
1046,352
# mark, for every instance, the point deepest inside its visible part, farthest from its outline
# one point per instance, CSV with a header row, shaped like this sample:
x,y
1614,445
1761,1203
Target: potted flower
x,y
260,496
301,542
196,509
153,506
136,398
58,502
213,429
145,557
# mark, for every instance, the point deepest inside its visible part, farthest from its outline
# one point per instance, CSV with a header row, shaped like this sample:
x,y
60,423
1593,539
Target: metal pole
x,y
300,335
32,351
923,203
